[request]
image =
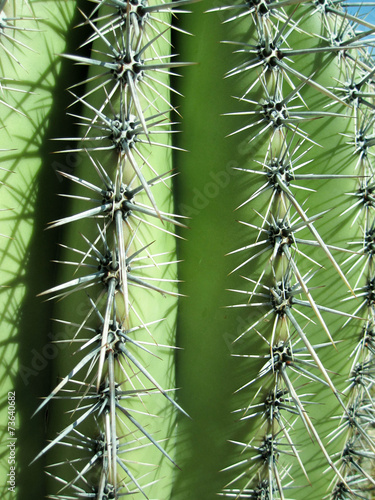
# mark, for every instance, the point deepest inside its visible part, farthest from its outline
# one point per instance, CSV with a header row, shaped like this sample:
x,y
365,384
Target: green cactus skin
x,y
301,445
121,248
276,305
26,249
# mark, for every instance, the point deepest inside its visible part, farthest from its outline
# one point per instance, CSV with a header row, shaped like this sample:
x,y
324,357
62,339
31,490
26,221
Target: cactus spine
x,y
299,300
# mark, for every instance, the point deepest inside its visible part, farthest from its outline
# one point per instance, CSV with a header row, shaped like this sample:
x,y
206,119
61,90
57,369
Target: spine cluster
x,y
305,77
120,244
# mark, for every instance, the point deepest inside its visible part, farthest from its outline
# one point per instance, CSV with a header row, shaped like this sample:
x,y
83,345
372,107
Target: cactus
x,y
233,357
